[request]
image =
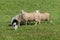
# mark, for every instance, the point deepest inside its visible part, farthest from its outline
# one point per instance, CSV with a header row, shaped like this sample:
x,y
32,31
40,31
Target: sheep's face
x,y
22,12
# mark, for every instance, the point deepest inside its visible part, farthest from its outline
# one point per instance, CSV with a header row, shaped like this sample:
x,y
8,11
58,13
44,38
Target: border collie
x,y
15,24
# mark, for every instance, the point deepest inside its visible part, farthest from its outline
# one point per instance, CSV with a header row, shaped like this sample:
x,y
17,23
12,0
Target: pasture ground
x,y
44,31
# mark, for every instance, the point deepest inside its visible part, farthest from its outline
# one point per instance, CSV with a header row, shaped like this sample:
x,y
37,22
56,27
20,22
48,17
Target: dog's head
x,y
15,26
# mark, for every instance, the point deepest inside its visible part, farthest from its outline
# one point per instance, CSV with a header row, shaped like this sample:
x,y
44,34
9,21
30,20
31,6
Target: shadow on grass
x,y
32,23
21,24
27,24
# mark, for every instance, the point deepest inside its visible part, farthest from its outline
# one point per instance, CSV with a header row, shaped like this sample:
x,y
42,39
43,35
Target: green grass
x,y
44,31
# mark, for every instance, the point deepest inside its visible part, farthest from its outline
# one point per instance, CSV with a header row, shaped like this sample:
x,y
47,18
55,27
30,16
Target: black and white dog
x,y
14,22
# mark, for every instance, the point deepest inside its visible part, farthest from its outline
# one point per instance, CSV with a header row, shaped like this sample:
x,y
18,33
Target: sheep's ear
x,y
22,11
37,11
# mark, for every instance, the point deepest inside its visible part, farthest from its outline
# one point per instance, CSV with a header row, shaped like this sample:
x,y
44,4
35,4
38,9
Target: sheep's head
x,y
22,11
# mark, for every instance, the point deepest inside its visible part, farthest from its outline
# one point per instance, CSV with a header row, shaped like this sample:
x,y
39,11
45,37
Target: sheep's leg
x,y
36,23
19,23
48,20
39,22
26,22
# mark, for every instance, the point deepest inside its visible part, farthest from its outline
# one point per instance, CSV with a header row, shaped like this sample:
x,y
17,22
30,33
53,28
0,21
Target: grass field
x,y
44,31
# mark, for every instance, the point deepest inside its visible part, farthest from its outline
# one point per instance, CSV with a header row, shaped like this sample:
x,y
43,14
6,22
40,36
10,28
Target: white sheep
x,y
45,16
30,17
42,16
